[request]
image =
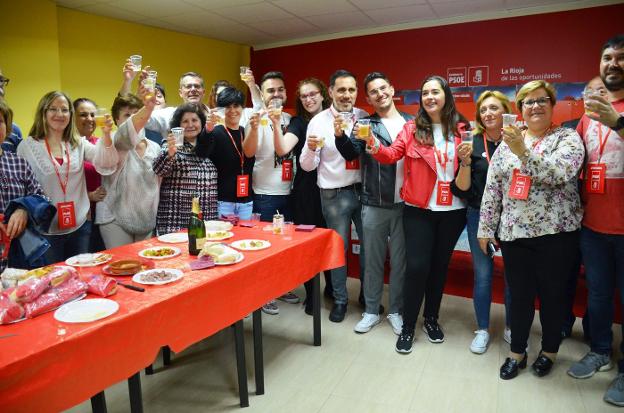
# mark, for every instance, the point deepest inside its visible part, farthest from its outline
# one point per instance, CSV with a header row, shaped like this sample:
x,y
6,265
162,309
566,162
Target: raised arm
x,y
250,143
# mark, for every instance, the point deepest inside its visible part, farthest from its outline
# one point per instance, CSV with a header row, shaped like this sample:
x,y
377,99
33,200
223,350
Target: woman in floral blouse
x,y
531,202
184,174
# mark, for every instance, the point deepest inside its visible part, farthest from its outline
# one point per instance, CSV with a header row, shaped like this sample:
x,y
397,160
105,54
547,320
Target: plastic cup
x,y
264,121
136,60
363,128
466,137
178,134
152,73
320,143
275,107
100,117
243,73
220,112
347,120
509,119
590,94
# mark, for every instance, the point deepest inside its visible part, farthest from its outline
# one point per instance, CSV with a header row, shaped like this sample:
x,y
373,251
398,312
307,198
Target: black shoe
x,y
510,367
433,330
542,365
307,306
404,342
338,312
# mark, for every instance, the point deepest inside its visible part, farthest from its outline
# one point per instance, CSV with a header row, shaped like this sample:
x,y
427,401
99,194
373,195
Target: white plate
x,y
243,244
176,252
177,274
218,235
86,311
218,225
88,260
174,238
239,259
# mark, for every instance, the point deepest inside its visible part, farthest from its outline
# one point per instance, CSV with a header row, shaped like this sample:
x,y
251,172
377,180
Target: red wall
x,y
565,43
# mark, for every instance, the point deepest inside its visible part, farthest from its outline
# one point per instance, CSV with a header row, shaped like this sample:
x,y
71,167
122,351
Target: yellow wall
x,y
83,55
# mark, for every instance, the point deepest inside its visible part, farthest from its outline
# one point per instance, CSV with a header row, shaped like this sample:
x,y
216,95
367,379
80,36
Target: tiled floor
x,y
362,373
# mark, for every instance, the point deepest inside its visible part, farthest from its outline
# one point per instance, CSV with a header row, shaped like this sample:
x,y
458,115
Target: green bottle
x,y
196,229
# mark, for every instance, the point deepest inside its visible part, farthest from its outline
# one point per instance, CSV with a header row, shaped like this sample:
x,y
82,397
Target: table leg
x,y
166,351
316,308
149,370
241,365
258,352
98,403
134,390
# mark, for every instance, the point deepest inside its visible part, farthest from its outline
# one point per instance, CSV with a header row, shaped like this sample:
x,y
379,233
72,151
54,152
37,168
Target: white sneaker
x,y
507,335
367,322
480,342
396,321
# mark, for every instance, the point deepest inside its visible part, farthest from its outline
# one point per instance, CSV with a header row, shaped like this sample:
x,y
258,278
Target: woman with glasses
x,y
312,98
433,218
531,203
469,184
56,154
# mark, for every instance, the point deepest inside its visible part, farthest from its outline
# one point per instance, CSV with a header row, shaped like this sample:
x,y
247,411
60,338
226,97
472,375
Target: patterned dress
x,y
184,176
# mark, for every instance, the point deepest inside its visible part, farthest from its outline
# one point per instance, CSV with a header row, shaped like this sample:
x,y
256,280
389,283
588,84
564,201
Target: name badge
x,y
520,185
445,197
242,186
66,215
353,164
287,170
596,178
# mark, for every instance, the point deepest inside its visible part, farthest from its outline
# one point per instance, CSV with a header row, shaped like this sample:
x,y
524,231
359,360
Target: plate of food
x,y
174,238
89,260
218,225
127,267
159,253
229,259
85,311
218,235
157,276
250,244
221,253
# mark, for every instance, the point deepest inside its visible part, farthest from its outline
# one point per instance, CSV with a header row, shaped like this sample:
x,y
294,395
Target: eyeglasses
x,y
62,111
310,95
541,102
4,80
378,91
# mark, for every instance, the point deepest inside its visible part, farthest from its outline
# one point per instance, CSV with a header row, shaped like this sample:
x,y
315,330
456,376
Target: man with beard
x,y
602,234
382,206
339,180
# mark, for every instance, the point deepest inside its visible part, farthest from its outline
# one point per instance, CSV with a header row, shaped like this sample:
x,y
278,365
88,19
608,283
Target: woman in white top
x,y
56,154
128,212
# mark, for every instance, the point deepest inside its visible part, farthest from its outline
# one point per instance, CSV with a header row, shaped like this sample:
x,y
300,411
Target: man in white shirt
x,y
339,180
272,174
382,206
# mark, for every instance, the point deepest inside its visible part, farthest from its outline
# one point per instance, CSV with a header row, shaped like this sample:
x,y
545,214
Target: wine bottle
x,y
196,229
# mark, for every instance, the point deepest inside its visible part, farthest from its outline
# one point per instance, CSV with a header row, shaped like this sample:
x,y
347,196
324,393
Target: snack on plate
x,y
221,254
125,267
157,276
55,297
100,285
9,310
159,252
60,274
12,276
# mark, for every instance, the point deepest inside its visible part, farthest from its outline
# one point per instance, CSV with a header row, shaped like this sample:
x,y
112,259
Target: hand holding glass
x,y
178,134
136,60
100,117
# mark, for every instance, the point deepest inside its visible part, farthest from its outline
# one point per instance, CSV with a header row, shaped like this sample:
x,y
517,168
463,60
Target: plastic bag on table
x,y
55,297
101,285
60,274
9,310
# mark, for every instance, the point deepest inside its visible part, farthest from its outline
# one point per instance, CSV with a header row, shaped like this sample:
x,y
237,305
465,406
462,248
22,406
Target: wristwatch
x,y
619,124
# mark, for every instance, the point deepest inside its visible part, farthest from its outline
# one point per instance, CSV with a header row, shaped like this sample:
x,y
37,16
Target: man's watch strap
x,y
619,124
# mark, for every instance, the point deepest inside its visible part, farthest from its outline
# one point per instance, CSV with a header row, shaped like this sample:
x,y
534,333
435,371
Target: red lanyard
x,y
62,184
440,157
240,154
485,145
602,143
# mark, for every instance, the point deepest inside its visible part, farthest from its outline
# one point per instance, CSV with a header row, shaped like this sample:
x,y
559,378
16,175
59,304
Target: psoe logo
x,y
478,75
456,76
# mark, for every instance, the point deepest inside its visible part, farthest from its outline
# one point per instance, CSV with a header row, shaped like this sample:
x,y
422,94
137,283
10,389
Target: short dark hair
x,y
230,96
616,42
176,119
162,90
337,74
193,74
271,75
212,99
373,76
7,114
129,100
78,101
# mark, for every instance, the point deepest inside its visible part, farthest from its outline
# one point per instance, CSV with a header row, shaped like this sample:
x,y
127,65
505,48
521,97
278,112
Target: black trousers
x,y
541,267
430,237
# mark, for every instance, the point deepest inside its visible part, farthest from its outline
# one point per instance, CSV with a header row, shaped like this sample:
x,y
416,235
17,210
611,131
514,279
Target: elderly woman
x,y
184,174
16,180
531,202
469,184
56,154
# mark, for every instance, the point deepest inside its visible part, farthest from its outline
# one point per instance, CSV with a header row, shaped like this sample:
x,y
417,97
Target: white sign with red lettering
x,y
456,76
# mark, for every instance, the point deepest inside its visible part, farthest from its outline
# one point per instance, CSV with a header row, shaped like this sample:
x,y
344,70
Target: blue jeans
x,y
68,245
603,257
242,210
483,267
268,205
340,207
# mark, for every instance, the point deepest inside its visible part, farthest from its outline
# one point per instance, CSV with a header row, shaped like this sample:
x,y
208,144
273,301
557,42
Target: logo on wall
x,y
456,76
478,75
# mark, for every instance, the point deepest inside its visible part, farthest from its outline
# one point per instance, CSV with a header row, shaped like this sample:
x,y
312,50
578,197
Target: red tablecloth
x,y
41,371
